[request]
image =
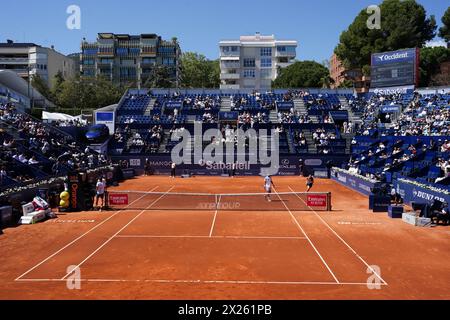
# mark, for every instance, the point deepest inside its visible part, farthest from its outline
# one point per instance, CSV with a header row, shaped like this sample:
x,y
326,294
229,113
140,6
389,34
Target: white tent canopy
x,y
48,116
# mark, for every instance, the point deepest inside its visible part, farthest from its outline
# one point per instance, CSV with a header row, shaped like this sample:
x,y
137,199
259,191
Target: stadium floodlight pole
x,y
28,72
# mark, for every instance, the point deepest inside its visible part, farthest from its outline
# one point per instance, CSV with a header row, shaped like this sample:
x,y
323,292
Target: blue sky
x,y
198,24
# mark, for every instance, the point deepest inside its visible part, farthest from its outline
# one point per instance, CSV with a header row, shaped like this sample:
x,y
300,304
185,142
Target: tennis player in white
x,y
268,183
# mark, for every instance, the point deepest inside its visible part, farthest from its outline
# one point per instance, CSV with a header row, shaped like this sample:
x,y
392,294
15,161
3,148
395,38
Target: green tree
x,y
160,77
214,75
106,92
404,24
346,84
444,32
88,94
41,85
58,82
326,82
302,74
430,61
199,72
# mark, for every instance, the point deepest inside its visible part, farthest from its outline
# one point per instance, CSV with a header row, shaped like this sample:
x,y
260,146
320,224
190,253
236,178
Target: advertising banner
x,y
288,165
285,105
413,193
396,68
354,182
390,109
231,116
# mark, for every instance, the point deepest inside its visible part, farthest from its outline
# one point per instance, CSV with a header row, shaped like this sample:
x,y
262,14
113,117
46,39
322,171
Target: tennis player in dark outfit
x,y
309,183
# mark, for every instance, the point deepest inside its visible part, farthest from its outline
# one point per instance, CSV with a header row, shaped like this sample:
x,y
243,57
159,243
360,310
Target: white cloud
x,y
436,43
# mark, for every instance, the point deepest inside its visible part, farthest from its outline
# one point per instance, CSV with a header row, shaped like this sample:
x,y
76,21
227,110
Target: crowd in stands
x,y
203,102
417,161
420,115
249,119
69,123
322,140
31,150
300,139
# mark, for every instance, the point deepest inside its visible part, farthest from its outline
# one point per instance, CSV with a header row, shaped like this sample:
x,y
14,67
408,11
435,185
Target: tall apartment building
x,y
29,59
337,71
339,74
253,62
124,58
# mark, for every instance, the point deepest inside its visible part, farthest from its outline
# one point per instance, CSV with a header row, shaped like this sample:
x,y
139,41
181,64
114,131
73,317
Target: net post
x,y
328,201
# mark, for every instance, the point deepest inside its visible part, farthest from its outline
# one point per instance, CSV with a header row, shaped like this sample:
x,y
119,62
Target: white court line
x,y
211,237
243,282
112,237
343,241
215,216
80,237
309,240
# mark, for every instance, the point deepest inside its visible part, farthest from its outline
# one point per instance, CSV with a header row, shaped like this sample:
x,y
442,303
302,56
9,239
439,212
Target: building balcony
x,y
23,73
230,76
105,54
283,64
149,54
230,58
229,87
14,60
230,65
104,64
288,54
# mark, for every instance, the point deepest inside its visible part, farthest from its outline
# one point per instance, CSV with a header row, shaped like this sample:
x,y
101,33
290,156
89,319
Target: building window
x,y
135,51
89,72
167,50
266,73
266,63
105,61
227,49
266,52
90,52
250,73
122,51
149,60
286,49
249,63
168,61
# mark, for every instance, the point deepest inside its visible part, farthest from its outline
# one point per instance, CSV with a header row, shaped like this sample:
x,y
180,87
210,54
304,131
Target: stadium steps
x,y
299,106
225,105
353,117
348,138
163,145
273,116
310,141
314,119
290,144
151,104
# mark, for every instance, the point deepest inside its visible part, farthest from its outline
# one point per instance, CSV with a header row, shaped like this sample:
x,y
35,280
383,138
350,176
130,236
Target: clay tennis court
x,y
148,253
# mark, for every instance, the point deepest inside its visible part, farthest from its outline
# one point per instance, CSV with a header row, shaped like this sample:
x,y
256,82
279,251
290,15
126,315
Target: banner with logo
x,y
354,182
229,116
288,165
396,68
413,193
394,57
285,105
390,109
339,115
173,104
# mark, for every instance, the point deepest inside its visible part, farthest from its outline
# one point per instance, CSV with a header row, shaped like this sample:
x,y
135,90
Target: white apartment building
x,y
28,59
253,62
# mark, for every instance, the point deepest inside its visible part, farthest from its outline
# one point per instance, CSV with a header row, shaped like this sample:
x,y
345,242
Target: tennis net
x,y
294,201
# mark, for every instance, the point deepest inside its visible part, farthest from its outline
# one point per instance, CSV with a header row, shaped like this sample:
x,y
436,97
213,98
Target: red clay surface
x,y
142,254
